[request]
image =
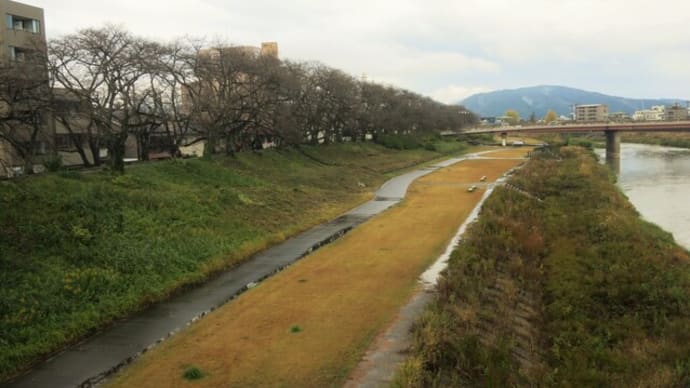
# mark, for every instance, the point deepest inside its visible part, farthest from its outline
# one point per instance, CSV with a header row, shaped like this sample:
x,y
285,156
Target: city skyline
x,y
442,49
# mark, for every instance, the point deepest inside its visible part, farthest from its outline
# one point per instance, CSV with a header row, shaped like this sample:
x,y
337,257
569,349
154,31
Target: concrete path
x,y
95,358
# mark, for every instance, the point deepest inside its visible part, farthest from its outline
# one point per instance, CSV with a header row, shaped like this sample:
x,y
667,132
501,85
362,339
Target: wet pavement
x,y
90,361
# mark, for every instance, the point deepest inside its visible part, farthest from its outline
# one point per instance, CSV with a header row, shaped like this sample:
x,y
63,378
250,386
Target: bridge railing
x,y
667,126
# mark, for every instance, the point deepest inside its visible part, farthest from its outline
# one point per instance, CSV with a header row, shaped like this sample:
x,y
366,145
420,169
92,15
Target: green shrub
x,y
295,329
193,373
53,163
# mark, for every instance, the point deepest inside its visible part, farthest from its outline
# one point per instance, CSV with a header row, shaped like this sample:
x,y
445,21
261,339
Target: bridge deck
x,y
675,126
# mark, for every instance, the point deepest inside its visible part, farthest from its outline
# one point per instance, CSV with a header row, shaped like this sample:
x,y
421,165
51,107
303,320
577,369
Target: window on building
x,y
65,141
19,23
18,54
39,147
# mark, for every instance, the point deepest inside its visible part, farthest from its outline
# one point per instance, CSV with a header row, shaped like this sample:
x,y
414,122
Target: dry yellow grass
x,y
340,297
509,152
470,171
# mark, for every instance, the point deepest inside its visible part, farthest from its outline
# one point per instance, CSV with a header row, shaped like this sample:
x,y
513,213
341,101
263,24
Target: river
x,y
657,181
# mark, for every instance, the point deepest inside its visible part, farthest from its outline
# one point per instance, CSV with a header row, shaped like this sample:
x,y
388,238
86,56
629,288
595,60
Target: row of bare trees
x,y
106,85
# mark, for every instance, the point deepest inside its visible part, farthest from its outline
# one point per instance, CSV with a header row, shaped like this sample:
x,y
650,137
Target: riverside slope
x,y
309,325
97,357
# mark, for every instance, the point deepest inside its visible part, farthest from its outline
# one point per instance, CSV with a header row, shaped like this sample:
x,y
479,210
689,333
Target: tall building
x,y
22,37
24,30
591,113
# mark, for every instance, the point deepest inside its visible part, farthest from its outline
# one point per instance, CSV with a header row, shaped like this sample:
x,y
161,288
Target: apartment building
x,y
676,112
24,30
591,113
22,36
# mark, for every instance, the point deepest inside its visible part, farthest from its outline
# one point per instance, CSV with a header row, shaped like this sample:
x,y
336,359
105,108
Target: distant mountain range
x,y
539,99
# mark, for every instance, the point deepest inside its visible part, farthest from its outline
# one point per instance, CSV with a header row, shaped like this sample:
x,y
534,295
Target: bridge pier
x,y
504,137
613,150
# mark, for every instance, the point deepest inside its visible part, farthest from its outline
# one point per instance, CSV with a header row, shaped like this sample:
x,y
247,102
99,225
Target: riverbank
x,y
566,286
650,172
597,140
667,139
81,250
310,324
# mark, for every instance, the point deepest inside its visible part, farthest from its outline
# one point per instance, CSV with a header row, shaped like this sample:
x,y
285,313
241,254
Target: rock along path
x,y
90,361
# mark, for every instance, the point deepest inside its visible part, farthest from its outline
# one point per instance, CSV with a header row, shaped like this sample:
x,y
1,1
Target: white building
x,y
657,113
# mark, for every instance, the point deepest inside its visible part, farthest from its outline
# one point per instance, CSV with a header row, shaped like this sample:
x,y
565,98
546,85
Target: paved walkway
x,y
89,362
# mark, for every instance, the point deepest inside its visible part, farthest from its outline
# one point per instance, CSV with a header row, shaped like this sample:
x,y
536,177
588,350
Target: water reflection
x,y
657,181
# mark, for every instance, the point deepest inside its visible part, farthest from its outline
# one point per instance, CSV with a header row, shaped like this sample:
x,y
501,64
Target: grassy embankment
x,y
310,324
575,290
80,250
668,139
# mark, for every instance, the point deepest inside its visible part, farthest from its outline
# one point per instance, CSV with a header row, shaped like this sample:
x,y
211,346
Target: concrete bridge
x,y
611,130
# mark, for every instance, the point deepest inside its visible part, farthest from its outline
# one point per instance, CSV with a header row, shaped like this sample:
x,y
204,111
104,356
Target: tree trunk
x,y
210,147
84,158
78,144
29,163
95,152
144,145
116,148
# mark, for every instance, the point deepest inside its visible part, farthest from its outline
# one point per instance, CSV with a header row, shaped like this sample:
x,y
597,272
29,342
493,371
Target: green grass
x,y
193,373
295,329
612,291
79,250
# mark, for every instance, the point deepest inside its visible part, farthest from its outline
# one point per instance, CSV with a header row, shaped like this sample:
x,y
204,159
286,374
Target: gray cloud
x,y
442,48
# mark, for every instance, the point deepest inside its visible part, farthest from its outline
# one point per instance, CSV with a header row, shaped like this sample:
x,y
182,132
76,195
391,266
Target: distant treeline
x,y
106,85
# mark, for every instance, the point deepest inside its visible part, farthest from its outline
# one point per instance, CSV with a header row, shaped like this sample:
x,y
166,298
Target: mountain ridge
x,y
539,99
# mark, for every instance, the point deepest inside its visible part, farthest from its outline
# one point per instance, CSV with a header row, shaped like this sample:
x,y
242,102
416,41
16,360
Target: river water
x,y
657,181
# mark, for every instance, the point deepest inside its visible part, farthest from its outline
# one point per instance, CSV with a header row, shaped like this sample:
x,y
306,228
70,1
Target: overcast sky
x,y
441,48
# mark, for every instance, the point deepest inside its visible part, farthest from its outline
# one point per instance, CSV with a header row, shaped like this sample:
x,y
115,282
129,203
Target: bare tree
x,y
108,69
232,97
170,79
